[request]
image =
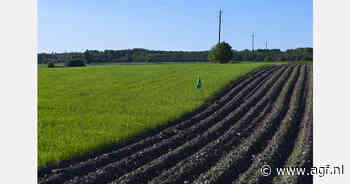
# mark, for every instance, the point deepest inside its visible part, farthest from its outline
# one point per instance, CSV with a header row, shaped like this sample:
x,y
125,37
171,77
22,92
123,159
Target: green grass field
x,y
85,108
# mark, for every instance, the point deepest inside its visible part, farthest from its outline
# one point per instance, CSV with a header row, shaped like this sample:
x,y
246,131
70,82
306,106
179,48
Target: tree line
x,y
144,55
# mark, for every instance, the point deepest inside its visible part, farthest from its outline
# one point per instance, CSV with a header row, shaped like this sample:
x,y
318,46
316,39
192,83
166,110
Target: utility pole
x,y
253,35
220,12
266,44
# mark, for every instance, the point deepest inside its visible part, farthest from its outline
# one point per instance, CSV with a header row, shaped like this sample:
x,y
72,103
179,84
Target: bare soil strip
x,y
238,159
301,156
262,118
278,147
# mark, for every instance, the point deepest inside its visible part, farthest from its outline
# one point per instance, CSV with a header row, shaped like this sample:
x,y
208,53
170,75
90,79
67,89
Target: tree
x,y
221,52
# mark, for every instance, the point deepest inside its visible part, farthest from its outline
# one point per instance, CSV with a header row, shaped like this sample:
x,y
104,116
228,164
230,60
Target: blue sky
x,y
77,25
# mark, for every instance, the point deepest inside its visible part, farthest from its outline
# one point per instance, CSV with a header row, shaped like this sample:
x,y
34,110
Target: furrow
x,y
229,165
186,170
282,142
151,170
300,157
307,159
91,164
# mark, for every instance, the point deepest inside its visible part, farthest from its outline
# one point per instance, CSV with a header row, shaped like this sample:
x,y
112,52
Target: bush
x,y
75,62
221,52
51,65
